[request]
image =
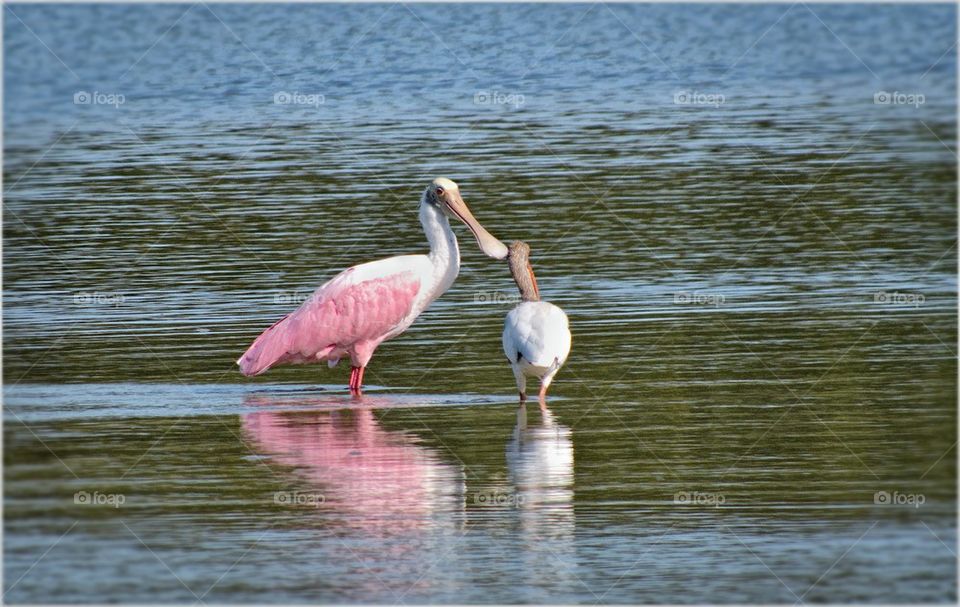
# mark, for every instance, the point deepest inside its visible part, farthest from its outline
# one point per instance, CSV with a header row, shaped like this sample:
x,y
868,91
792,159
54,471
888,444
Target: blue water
x,y
747,211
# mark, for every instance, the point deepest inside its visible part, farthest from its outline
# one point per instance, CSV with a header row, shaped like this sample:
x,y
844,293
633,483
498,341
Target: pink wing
x,y
345,315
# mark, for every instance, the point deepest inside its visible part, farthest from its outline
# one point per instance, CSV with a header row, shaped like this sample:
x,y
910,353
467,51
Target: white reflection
x,y
540,466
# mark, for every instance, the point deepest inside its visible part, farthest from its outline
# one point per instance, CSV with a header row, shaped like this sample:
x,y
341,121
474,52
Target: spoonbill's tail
x,y
267,350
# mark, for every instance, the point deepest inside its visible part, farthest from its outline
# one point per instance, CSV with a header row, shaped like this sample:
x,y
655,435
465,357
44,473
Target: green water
x,y
762,296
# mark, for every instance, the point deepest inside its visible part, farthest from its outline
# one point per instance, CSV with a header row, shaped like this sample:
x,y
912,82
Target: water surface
x,y
757,258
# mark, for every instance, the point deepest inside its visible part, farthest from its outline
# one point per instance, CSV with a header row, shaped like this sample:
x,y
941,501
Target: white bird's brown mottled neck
x,y
519,259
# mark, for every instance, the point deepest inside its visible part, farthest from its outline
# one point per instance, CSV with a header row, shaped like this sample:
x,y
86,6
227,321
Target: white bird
x,y
536,334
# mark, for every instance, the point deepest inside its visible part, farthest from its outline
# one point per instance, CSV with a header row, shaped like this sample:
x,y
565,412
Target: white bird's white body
x,y
536,340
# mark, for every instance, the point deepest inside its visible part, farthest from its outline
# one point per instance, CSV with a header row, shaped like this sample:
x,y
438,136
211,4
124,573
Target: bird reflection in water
x,y
379,480
540,467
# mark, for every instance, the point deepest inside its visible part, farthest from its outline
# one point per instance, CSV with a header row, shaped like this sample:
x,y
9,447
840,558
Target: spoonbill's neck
x,y
444,252
523,275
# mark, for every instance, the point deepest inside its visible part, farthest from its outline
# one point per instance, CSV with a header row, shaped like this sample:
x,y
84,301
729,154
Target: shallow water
x,y
762,291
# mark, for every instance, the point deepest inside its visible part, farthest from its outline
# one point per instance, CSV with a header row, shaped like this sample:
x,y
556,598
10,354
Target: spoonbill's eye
x,y
439,191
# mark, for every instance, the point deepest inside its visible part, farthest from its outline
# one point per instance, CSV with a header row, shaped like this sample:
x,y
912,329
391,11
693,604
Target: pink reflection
x,y
380,480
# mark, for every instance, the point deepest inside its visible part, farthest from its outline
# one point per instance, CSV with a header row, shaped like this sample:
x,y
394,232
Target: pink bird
x,y
368,304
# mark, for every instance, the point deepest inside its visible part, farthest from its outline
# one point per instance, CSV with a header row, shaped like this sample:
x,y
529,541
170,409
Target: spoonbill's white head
x,y
444,194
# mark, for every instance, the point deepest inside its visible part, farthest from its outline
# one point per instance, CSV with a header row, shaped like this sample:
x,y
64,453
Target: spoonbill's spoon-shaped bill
x,y
449,199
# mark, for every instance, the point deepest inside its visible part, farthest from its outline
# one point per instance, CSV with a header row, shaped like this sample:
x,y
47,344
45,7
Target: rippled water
x,y
758,261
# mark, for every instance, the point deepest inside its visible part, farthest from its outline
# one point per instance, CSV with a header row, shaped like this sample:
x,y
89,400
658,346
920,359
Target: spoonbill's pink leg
x,y
356,379
543,393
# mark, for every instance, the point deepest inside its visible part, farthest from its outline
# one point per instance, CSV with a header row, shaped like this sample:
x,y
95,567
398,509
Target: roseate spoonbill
x,y
367,304
536,334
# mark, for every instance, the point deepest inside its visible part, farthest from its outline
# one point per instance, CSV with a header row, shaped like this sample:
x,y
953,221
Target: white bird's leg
x,y
547,378
543,391
521,382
